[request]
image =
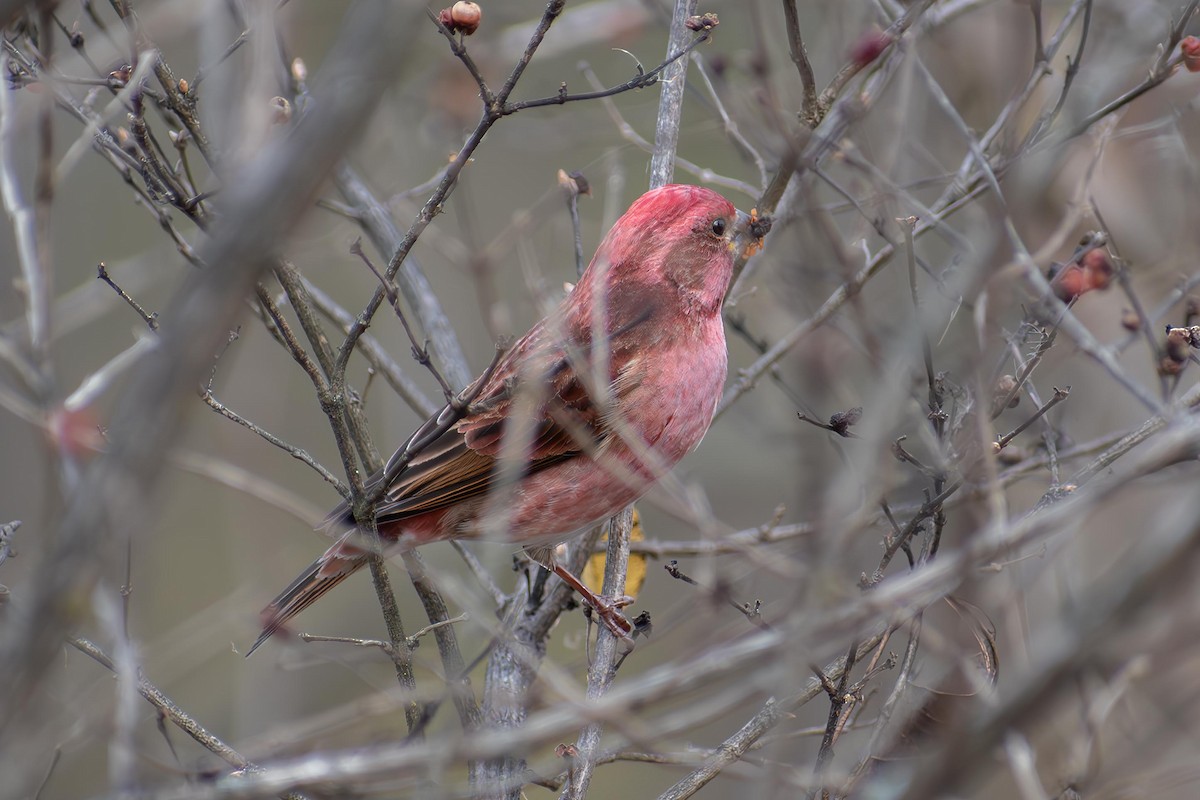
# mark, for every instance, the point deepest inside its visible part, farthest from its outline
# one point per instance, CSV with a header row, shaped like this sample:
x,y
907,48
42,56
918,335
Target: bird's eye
x,y
718,227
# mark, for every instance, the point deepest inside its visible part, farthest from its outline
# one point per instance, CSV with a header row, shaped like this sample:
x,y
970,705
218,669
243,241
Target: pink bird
x,y
581,416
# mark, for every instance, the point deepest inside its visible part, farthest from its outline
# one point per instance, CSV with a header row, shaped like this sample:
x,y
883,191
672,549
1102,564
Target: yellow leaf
x,y
593,571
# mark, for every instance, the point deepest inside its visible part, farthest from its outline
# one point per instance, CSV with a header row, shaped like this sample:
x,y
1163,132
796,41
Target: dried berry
x,y
1130,320
759,226
1189,48
702,22
462,17
1068,282
1099,268
1093,270
869,47
1177,349
1169,366
1182,338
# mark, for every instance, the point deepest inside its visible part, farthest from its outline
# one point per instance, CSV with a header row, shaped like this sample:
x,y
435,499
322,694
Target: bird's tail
x,y
335,565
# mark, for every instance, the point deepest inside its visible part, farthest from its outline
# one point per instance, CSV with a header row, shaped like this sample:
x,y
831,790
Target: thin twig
x,y
30,255
1168,61
703,174
150,319
420,352
1059,396
753,613
839,698
810,111
608,656
928,509
166,706
670,103
1047,341
298,453
771,714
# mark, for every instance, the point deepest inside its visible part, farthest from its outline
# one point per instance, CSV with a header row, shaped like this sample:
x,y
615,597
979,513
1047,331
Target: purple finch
x,y
582,415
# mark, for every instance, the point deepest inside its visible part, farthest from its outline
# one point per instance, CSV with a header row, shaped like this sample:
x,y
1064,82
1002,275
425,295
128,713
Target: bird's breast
x,y
680,384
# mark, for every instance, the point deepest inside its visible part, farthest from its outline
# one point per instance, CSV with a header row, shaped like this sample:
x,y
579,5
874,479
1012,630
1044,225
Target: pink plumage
x,y
585,412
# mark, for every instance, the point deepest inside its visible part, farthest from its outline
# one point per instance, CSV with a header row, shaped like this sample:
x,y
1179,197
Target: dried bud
x,y
703,22
125,140
281,110
1179,339
120,76
299,70
464,17
1130,320
183,86
841,422
76,39
566,751
1179,344
1189,48
1005,386
869,47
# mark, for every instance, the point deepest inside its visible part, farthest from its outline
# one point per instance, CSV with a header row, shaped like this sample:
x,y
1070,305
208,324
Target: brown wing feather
x,y
460,465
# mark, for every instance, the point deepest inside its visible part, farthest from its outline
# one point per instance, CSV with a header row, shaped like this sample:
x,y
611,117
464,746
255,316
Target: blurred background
x,y
1110,580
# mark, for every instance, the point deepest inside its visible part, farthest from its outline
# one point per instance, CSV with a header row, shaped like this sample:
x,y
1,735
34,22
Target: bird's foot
x,y
609,611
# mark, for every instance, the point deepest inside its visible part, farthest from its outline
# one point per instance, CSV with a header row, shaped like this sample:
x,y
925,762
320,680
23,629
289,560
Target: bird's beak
x,y
749,230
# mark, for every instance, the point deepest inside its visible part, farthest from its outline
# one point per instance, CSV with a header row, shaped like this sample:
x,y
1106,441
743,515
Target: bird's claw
x,y
609,610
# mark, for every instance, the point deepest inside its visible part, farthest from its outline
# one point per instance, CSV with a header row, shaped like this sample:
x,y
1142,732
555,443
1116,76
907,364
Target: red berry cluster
x,y
1093,270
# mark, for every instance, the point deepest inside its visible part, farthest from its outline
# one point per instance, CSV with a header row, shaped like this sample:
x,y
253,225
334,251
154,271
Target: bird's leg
x,y
609,608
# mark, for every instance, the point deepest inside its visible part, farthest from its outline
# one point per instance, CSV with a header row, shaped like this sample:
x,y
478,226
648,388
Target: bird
x,y
579,418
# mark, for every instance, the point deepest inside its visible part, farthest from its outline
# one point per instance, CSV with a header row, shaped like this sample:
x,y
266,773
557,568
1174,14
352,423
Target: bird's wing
x,y
537,378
